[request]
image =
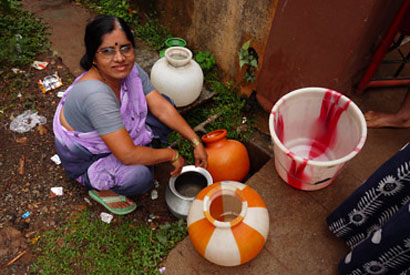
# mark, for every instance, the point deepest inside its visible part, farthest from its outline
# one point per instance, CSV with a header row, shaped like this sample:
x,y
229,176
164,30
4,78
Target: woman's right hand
x,y
178,164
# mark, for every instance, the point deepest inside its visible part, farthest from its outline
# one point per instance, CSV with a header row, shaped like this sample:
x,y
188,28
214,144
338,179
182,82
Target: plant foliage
x,y
86,245
248,57
205,59
22,36
119,8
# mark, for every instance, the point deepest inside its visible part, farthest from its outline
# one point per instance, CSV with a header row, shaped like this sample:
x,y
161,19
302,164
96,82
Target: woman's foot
x,y
115,203
379,120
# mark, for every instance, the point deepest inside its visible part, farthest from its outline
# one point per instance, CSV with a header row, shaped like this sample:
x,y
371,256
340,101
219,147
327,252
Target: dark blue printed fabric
x,y
375,221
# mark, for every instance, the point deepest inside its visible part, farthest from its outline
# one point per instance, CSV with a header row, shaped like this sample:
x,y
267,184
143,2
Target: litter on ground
x,y
58,191
40,65
105,217
50,82
56,159
27,121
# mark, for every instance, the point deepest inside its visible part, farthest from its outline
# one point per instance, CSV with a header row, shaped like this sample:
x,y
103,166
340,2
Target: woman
x,y
109,117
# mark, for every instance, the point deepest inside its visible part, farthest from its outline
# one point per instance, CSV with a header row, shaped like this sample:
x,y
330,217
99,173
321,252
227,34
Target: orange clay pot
x,y
228,223
227,159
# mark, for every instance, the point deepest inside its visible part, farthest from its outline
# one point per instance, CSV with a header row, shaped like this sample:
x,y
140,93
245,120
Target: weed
x,y
205,59
119,8
5,5
87,245
248,56
231,107
14,87
22,36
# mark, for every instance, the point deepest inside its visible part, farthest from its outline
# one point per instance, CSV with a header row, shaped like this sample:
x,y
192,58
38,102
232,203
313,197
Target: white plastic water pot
x,y
178,76
315,132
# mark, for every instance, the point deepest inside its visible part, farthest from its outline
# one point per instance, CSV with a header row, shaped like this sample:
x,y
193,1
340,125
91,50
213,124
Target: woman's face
x,y
115,56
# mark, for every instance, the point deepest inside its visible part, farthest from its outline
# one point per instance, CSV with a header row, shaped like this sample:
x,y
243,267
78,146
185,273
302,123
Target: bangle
x,y
176,157
195,142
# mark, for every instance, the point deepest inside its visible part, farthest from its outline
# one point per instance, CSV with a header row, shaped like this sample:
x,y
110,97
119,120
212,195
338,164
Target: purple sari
x,y
86,158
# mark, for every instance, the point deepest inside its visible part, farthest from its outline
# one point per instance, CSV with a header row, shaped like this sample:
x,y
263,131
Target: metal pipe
x,y
381,50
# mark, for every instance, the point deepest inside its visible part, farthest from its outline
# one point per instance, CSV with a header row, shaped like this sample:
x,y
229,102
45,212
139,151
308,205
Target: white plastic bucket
x,y
315,132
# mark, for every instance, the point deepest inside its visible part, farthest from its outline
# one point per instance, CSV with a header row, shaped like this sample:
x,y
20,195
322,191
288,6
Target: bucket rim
x,y
189,168
319,90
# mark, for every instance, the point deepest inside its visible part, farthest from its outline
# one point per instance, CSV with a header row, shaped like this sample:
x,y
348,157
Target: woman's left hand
x,y
201,157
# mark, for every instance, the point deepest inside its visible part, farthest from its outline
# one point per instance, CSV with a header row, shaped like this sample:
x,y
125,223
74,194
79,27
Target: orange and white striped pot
x,y
228,223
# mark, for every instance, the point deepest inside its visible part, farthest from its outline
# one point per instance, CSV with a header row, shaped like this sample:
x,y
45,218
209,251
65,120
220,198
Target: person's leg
x,y
375,201
110,178
133,180
400,119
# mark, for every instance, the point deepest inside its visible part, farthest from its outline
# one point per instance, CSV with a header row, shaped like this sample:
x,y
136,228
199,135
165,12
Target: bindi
x,y
116,43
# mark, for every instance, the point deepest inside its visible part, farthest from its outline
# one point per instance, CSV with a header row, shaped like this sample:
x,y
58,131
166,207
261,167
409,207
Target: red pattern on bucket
x,y
279,127
326,125
324,133
296,172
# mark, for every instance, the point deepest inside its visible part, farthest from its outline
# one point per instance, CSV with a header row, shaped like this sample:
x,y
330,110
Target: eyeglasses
x,y
125,50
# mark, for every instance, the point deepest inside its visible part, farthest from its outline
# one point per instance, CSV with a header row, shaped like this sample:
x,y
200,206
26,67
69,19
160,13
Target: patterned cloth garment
x,y
375,221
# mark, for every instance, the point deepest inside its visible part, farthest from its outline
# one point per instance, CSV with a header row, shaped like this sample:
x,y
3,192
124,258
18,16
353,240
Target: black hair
x,y
94,31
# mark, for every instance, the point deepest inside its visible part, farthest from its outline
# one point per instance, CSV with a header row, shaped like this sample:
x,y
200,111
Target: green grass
x,y
85,244
22,36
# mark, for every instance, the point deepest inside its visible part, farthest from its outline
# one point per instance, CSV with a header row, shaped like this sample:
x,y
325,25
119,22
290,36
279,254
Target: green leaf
x,y
181,222
245,46
200,58
165,226
241,63
162,239
254,63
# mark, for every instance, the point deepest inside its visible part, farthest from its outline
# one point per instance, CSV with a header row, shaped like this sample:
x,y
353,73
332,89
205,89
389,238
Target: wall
x,y
300,43
321,43
221,26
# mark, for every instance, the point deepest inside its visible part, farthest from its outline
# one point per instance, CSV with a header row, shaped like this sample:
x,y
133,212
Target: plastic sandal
x,y
104,201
